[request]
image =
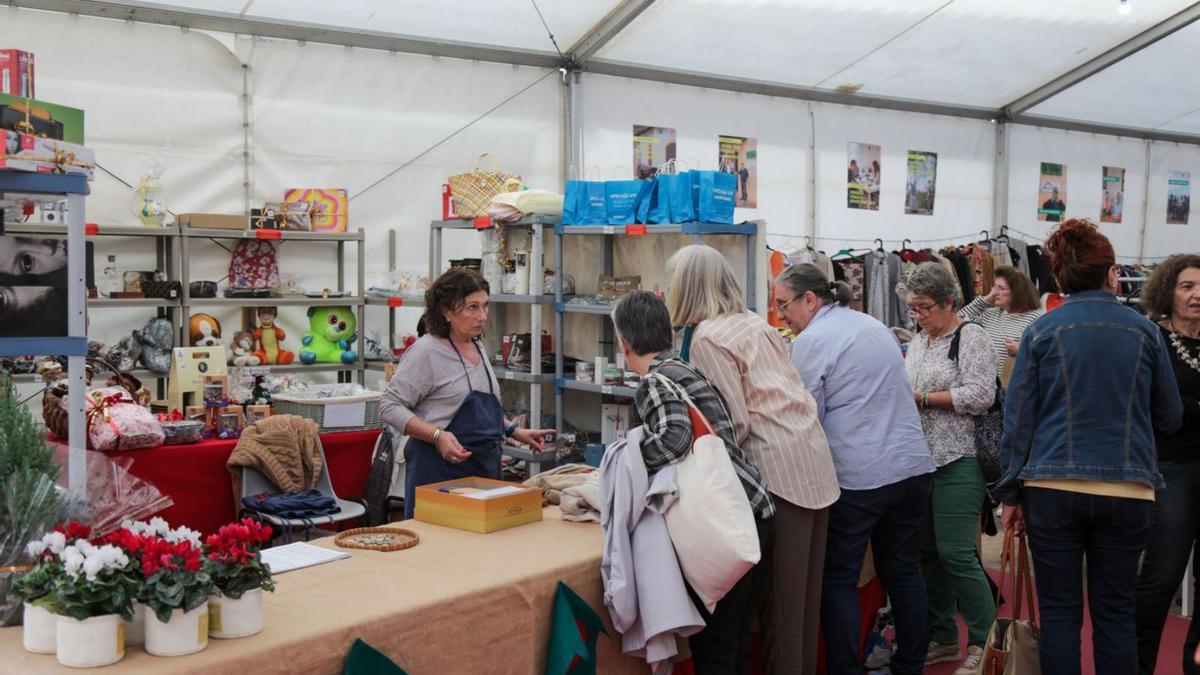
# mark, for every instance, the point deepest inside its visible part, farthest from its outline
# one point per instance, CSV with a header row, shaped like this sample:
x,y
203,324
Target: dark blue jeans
x,y
1111,532
890,518
1173,537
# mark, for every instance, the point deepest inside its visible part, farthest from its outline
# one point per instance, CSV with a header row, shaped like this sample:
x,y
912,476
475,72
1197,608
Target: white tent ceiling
x,y
972,57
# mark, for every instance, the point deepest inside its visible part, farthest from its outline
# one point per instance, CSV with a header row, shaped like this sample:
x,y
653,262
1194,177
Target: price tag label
x,y
37,378
509,375
609,229
482,223
258,370
91,229
268,234
635,230
606,389
395,301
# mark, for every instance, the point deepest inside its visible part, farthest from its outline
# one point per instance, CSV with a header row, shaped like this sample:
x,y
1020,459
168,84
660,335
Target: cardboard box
x,y
437,504
16,73
211,221
190,365
67,122
23,152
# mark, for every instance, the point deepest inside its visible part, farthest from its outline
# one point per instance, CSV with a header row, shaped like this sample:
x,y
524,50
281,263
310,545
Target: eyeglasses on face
x,y
921,310
782,306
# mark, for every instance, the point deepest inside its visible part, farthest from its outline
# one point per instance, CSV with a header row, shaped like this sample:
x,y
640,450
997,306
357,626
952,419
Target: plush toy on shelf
x,y
330,337
242,349
205,330
268,339
157,339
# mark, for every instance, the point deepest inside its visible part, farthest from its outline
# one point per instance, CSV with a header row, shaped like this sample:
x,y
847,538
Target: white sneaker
x,y
940,653
970,665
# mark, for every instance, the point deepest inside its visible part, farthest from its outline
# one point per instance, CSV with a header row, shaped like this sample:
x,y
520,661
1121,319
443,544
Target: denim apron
x,y
478,425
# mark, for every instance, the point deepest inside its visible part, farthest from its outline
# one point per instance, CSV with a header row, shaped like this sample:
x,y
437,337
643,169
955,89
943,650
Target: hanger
x,y
808,242
906,245
1003,234
849,253
879,246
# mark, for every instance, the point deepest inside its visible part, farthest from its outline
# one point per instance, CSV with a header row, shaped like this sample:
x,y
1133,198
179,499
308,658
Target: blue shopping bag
x,y
715,200
621,200
585,201
660,204
647,198
683,207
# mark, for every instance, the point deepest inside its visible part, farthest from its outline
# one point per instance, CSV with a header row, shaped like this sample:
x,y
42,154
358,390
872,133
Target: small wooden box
x,y
437,504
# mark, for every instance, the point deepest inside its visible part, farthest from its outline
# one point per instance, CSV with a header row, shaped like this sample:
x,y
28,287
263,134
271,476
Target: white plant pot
x,y
41,628
229,618
185,633
135,630
92,642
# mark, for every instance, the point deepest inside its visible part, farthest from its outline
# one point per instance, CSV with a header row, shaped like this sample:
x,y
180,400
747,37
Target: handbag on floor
x,y
1012,644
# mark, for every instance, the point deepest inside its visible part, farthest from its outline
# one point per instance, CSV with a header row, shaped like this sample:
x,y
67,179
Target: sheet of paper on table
x,y
298,555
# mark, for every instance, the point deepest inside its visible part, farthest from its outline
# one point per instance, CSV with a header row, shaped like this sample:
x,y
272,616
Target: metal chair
x,y
254,483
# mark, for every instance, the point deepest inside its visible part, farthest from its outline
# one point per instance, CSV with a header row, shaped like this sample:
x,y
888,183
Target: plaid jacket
x,y
669,426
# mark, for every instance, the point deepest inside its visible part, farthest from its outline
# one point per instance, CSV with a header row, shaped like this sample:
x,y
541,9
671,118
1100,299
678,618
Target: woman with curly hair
x,y
1172,297
1092,384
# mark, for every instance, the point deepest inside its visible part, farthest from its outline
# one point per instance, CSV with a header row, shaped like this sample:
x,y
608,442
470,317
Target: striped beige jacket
x,y
774,416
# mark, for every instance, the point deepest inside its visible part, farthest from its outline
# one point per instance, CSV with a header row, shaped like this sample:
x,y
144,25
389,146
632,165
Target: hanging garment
x,y
856,278
878,292
1020,255
999,251
478,425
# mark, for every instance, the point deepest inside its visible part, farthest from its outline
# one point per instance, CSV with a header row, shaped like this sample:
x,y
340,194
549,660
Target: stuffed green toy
x,y
330,336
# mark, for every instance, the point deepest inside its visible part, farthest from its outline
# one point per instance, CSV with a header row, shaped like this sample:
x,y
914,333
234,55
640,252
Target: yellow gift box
x,y
468,504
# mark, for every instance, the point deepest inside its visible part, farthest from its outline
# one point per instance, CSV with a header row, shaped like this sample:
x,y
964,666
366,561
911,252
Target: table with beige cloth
x,y
458,602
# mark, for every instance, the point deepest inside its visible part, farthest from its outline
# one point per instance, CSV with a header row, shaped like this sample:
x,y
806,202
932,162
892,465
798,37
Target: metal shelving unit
x,y
345,372
607,341
74,345
536,378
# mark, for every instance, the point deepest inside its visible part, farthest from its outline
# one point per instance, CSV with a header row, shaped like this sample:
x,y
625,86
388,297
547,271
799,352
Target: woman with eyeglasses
x,y
1093,382
444,395
952,369
1005,312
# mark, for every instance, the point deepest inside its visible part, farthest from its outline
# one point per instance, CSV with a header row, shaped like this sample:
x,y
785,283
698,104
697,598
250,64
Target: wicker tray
x,y
377,539
314,409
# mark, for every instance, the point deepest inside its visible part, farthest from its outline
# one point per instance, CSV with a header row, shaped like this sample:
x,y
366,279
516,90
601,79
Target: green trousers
x,y
954,578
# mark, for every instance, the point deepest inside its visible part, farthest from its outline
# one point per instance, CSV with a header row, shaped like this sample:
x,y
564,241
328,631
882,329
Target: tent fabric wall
x,y
1163,239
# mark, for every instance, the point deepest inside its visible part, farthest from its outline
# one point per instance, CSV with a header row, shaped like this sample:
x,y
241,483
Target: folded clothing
x,y
293,505
554,481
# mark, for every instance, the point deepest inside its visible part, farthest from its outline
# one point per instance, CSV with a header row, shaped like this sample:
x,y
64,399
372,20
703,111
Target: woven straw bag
x,y
472,192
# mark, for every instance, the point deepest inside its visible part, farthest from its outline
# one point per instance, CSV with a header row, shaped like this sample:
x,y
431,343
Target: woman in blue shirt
x,y
852,365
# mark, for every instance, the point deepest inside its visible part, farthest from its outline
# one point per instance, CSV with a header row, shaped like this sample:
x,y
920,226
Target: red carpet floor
x,y
1169,651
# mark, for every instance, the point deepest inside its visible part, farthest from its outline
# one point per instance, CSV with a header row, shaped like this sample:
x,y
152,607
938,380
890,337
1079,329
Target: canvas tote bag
x,y
1012,644
473,191
711,522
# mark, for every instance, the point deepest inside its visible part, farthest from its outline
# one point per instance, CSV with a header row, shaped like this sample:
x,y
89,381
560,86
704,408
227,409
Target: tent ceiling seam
x,y
604,31
887,42
1177,118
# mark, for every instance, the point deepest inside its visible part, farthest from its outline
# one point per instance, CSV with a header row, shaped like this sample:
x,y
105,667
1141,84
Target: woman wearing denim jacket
x,y
1092,382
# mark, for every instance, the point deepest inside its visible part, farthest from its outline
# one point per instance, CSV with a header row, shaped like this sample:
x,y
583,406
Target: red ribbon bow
x,y
174,416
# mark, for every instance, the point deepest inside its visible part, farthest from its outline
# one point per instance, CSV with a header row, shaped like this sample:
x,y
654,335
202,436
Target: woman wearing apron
x,y
444,396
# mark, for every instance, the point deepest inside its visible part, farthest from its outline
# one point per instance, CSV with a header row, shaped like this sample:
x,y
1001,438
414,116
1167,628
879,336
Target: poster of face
x,y
862,176
1179,197
1052,192
739,156
1112,198
33,287
921,185
652,147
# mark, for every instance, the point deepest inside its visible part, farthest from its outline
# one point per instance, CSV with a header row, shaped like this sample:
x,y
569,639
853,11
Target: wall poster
x,y
921,186
862,176
1112,202
1052,192
33,287
1179,197
738,155
652,147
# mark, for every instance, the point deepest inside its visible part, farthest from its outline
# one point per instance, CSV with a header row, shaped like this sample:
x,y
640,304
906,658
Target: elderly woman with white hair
x,y
775,423
952,369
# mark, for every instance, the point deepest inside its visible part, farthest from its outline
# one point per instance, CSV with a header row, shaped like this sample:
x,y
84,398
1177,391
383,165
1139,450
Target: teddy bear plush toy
x,y
330,337
242,349
204,330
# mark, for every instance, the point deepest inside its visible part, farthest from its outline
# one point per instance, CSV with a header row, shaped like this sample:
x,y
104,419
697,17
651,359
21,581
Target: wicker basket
x,y
52,411
314,409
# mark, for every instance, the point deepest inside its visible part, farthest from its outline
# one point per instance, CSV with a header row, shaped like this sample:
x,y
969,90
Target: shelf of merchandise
x,y
35,378
535,460
611,233
357,301
538,225
297,367
74,345
164,238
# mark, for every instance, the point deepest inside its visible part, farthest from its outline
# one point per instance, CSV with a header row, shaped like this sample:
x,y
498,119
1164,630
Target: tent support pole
x,y
1145,204
1000,178
810,186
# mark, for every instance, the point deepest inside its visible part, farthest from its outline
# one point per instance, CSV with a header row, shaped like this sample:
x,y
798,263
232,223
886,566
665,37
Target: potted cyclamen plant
x,y
240,576
177,589
93,596
36,589
133,538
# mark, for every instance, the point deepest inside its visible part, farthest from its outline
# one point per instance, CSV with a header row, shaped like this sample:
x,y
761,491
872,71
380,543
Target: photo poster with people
x,y
738,155
1052,192
1112,197
652,147
1179,197
921,186
862,176
33,288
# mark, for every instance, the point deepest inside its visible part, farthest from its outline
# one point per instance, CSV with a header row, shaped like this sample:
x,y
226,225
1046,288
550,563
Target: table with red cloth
x,y
195,477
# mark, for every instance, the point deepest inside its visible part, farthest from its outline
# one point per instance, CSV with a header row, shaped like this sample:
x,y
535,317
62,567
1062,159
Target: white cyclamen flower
x,y
159,527
35,548
92,565
181,534
85,547
56,541
72,560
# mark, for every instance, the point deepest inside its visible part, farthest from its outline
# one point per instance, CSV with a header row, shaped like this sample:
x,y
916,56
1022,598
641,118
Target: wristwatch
x,y
510,429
